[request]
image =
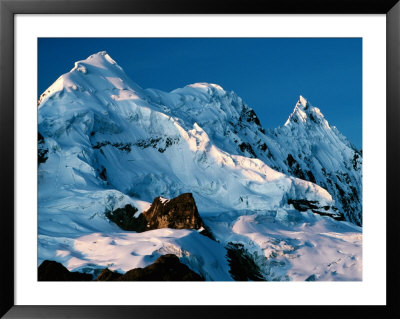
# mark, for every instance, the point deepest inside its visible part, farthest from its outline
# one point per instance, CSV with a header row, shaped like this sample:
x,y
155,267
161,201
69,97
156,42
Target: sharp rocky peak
x,y
303,103
305,113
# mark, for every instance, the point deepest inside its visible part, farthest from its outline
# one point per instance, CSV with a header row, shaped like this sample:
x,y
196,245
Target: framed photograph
x,y
207,159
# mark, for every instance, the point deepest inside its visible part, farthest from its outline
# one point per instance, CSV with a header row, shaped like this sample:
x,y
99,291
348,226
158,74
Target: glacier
x,y
105,142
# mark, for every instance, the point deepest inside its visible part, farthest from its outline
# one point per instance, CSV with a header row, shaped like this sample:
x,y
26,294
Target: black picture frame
x,y
8,10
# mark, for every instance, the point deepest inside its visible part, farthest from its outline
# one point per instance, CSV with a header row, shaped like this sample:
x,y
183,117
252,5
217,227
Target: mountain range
x,y
284,202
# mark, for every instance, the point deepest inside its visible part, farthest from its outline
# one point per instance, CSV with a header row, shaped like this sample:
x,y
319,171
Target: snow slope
x,y
292,245
107,142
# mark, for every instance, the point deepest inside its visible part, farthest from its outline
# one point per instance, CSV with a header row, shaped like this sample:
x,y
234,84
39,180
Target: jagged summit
x,y
302,102
316,151
305,113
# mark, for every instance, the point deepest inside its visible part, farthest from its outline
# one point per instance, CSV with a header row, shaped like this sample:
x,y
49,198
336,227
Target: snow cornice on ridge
x,y
205,85
100,59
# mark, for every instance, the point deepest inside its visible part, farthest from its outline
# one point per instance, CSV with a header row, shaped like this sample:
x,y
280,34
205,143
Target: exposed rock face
x,y
243,267
303,205
53,271
165,268
179,213
124,218
108,275
42,150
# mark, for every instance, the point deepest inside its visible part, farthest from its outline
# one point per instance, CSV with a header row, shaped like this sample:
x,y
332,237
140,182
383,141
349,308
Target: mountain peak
x,y
98,72
103,55
100,60
304,112
303,103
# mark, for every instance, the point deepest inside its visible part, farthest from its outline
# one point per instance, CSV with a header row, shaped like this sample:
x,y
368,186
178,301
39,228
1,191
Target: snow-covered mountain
x,y
281,194
315,151
306,147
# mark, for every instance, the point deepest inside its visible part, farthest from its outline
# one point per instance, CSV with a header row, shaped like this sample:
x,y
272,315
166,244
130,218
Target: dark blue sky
x,y
268,73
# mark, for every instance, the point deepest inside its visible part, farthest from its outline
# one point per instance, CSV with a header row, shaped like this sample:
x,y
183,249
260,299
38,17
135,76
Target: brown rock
x,y
108,275
179,213
165,268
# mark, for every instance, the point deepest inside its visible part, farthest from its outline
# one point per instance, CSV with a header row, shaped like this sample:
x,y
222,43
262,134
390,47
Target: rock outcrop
x,y
179,213
243,267
126,220
50,270
304,205
108,275
42,150
165,268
